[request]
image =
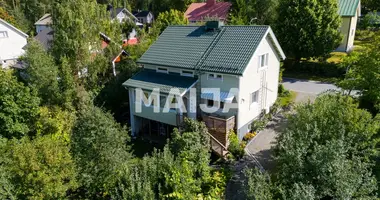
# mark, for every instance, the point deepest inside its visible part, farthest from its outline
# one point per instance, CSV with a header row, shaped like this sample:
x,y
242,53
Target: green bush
x,y
322,69
236,148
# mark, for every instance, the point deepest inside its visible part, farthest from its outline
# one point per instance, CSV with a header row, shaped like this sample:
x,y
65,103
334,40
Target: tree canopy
x,y
18,107
325,152
308,28
364,75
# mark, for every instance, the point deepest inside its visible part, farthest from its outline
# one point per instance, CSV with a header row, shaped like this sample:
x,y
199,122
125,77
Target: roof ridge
x,y
209,49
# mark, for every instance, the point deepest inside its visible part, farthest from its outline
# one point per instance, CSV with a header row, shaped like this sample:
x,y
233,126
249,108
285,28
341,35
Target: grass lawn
x,y
285,101
336,57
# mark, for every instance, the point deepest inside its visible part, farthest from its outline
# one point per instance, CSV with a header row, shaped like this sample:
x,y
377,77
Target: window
x,y
221,105
255,97
264,60
3,34
162,70
187,73
210,103
215,77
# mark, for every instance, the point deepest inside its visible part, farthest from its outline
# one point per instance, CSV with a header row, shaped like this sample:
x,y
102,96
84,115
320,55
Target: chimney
x,y
210,2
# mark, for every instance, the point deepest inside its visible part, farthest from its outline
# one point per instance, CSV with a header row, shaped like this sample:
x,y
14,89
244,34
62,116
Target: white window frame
x,y
212,76
4,34
186,73
266,60
254,97
162,70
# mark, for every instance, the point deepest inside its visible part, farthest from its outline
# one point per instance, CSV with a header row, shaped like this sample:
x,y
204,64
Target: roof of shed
x,y
227,50
347,8
44,20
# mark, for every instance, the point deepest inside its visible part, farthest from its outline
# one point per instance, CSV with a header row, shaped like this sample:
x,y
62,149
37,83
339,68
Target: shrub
x,y
260,124
249,136
236,148
322,69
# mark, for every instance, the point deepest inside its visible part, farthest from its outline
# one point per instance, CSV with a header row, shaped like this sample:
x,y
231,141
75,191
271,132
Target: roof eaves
x,y
14,28
276,43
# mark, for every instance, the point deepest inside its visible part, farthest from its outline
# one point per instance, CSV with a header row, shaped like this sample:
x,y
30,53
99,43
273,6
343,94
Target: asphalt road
x,y
307,90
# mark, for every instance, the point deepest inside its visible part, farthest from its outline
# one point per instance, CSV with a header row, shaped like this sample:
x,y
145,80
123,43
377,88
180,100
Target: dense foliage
x,y
325,152
364,75
18,107
59,131
308,28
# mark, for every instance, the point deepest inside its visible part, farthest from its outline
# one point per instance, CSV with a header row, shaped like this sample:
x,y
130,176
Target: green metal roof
x,y
149,79
347,8
227,50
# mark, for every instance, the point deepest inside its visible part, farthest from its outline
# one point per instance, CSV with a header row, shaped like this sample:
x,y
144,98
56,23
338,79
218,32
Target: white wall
x,y
40,28
250,82
351,38
11,47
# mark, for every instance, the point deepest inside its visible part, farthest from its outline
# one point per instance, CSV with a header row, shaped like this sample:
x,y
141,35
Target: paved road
x,y
307,90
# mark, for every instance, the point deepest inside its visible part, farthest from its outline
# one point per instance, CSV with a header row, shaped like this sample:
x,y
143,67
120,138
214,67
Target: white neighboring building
x,y
43,23
12,41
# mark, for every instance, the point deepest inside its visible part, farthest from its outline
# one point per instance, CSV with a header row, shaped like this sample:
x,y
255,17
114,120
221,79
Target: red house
x,y
201,11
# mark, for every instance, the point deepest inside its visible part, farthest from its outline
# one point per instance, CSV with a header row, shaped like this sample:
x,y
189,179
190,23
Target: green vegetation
x,y
364,75
308,29
62,120
325,152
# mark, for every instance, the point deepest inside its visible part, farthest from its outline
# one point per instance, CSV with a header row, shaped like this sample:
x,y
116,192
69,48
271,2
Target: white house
x,y
144,16
12,41
242,62
43,23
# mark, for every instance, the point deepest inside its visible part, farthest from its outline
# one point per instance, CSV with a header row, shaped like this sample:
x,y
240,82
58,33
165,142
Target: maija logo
x,y
214,100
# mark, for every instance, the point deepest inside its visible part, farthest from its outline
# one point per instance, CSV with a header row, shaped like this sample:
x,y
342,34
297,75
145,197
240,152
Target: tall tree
x,y
99,149
81,46
327,146
172,17
308,28
364,75
18,107
39,169
42,73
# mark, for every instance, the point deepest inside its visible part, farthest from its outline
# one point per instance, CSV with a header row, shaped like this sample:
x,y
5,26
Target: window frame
x,y
186,73
266,60
214,76
162,70
254,97
4,33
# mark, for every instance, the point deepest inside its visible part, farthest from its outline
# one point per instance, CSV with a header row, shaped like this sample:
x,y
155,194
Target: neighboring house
x,y
122,14
45,37
12,41
144,16
211,9
350,11
43,23
246,58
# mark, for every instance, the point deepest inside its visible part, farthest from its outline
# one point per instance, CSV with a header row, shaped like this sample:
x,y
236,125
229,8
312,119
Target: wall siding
x,y
250,82
11,47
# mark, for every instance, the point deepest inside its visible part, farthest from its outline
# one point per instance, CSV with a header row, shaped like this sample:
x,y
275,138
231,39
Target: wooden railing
x,y
219,127
218,147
